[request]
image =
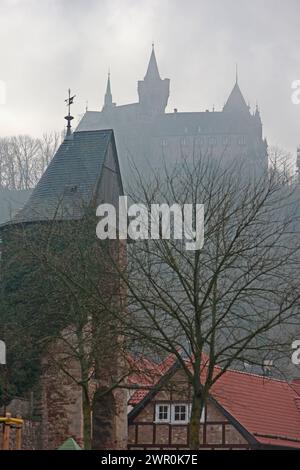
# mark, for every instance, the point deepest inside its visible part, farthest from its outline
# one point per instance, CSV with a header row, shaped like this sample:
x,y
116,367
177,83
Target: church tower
x,y
153,91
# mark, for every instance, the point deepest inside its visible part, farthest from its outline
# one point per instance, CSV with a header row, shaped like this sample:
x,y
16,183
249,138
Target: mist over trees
x,y
23,159
234,300
230,300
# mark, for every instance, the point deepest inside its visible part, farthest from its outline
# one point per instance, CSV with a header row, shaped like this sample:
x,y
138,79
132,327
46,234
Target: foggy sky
x,y
47,46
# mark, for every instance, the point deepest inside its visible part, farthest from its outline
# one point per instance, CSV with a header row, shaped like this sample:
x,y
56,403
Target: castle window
x,y
183,141
162,413
226,140
164,142
203,141
241,140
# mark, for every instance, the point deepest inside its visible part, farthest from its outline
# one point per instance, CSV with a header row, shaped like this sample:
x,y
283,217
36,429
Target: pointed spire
x,y
236,74
152,70
257,113
236,102
108,96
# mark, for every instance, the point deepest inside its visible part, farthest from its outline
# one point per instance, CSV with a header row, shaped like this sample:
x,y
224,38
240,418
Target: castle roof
x,y
236,102
11,201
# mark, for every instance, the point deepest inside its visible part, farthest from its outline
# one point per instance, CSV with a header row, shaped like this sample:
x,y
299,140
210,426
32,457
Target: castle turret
x,y
153,91
236,102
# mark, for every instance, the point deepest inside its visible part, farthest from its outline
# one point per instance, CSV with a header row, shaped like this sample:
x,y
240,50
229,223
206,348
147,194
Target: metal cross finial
x,y
69,118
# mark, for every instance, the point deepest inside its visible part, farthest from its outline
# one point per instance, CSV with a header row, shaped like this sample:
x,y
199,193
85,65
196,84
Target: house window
x,y
162,413
180,413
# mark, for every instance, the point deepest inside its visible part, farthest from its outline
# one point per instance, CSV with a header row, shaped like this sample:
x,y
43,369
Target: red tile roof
x,y
146,374
267,408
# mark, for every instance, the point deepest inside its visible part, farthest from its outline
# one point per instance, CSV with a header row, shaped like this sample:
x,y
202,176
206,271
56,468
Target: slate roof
x,y
267,408
117,116
152,70
69,182
202,123
236,101
11,201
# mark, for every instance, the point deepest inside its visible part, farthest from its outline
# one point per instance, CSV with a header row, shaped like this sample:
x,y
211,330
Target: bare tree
x,y
62,273
281,164
23,159
229,302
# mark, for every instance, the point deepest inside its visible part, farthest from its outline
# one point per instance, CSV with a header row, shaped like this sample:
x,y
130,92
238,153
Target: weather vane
x,y
69,118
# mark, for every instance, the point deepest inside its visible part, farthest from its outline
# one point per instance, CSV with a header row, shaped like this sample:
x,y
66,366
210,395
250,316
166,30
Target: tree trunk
x,y
86,411
194,426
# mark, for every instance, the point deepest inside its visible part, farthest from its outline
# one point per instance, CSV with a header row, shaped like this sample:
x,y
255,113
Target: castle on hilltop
x,y
146,133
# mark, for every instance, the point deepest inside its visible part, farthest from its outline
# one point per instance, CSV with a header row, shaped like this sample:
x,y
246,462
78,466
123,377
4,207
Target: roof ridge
x,y
255,375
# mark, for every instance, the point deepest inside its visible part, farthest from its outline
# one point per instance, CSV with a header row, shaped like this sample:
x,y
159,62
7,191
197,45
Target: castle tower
x,y
83,173
153,91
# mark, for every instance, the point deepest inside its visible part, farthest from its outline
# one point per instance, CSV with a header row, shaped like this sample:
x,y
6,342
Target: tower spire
x,y
152,70
236,74
236,102
153,91
108,96
69,118
108,100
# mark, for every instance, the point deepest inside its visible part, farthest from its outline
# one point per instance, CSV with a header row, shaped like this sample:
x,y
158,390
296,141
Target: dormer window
x,y
162,413
175,413
69,188
180,414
